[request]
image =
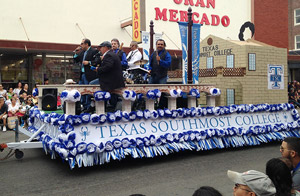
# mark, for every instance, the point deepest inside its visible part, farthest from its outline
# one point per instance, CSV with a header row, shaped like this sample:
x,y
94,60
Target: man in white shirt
x,y
134,55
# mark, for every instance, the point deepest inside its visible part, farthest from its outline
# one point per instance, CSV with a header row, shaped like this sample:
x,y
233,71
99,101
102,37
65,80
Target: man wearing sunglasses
x,y
251,183
290,149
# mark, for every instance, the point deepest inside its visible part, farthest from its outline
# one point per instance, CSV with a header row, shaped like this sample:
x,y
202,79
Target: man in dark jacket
x,y
85,56
160,61
110,71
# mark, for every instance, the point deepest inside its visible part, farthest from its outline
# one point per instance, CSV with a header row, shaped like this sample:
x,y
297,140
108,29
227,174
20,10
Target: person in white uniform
x,y
134,55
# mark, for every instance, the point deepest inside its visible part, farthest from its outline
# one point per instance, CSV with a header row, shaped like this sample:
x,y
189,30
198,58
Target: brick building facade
x,y
294,25
270,18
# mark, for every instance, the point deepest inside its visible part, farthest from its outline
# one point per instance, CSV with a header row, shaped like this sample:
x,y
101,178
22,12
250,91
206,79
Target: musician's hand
x,y
85,62
157,58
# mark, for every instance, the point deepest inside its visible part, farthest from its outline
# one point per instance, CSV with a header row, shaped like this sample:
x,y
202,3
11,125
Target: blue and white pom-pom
x,y
176,93
64,95
215,91
129,95
195,93
76,96
72,95
35,92
102,96
153,94
95,119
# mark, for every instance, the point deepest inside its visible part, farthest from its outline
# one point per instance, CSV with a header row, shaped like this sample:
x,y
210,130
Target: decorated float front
x,y
95,139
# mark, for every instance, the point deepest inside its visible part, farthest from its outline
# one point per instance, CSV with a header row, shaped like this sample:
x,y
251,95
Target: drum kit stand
x,y
137,75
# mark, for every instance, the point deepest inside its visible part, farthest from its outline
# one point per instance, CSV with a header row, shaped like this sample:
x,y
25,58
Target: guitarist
x,y
118,50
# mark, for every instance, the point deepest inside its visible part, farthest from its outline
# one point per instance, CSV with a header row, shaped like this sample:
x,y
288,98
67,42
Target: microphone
x,y
77,49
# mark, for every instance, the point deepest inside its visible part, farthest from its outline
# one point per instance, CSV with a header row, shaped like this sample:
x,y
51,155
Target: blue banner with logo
x,y
183,27
146,47
196,52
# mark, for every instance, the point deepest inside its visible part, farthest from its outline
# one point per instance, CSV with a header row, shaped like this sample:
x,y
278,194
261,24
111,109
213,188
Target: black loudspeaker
x,y
49,99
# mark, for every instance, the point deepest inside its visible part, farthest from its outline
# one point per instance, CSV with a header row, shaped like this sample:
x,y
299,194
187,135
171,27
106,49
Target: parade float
x,y
94,139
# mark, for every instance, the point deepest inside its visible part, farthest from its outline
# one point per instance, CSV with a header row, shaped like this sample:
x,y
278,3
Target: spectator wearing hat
x,y
290,149
77,103
85,55
252,183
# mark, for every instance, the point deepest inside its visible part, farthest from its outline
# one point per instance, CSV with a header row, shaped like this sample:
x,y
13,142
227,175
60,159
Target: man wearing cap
x,y
110,71
252,183
290,149
85,55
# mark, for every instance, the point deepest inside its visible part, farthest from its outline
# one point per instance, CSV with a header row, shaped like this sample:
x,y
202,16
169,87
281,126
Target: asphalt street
x,y
177,174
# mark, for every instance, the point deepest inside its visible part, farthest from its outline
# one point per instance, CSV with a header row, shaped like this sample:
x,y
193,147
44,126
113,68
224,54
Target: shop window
x,y
230,96
210,62
297,16
297,42
230,61
57,68
251,62
13,69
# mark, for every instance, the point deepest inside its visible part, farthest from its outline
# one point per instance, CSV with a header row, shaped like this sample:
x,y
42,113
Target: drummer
x,y
134,55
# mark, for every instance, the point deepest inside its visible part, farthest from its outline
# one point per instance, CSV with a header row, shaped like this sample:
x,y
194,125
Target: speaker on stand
x,y
49,99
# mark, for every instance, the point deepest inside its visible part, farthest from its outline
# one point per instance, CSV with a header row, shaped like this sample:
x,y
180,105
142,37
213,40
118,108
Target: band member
x,y
134,55
160,61
85,55
118,50
110,72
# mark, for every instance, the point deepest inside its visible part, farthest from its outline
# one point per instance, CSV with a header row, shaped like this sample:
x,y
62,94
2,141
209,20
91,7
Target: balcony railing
x,y
226,72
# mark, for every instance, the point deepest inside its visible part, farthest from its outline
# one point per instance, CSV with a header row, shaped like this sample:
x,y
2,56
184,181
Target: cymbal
x,y
140,62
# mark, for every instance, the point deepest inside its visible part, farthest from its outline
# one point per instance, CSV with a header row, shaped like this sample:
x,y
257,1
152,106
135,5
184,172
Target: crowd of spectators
x,y
281,177
15,103
294,93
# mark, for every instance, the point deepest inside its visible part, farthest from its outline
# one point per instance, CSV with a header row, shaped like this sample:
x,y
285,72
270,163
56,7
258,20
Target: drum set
x,y
137,75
